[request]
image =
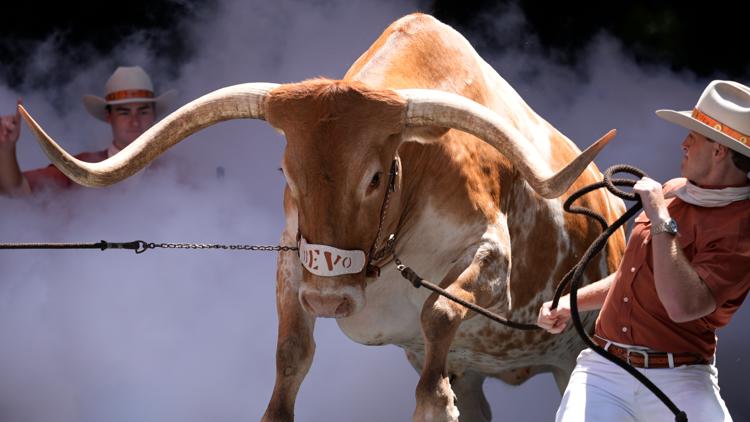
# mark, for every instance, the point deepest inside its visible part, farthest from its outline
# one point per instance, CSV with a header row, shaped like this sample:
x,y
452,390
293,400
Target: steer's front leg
x,y
295,345
440,318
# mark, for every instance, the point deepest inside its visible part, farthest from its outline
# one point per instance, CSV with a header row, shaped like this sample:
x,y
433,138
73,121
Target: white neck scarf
x,y
693,194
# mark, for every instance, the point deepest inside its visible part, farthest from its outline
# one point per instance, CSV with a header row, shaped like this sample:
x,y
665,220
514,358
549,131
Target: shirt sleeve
x,y
723,262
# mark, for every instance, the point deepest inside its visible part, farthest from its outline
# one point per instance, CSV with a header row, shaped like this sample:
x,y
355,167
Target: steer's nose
x,y
328,306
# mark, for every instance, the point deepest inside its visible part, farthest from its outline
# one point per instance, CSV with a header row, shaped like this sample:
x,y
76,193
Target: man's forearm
x,y
591,297
680,289
12,181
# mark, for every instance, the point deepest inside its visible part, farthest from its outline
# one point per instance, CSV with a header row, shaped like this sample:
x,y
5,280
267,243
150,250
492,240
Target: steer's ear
x,y
423,134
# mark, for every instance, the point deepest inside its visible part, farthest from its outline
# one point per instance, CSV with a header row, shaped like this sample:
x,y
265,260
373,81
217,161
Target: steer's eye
x,y
375,182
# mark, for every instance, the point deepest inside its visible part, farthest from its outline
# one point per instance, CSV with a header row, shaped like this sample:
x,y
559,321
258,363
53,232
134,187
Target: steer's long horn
x,y
244,101
437,108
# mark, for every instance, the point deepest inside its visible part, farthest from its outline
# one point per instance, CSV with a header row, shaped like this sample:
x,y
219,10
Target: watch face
x,y
672,226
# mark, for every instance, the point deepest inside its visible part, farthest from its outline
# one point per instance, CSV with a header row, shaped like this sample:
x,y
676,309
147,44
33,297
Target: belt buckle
x,y
638,352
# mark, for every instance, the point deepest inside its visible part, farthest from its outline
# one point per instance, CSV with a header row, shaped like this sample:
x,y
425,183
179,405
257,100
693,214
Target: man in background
x,y
130,107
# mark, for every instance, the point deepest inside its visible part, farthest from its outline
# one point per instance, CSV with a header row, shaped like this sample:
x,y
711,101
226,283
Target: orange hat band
x,y
721,127
130,93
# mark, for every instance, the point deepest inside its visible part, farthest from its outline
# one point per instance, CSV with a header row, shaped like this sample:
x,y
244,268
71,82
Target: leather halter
x,y
376,255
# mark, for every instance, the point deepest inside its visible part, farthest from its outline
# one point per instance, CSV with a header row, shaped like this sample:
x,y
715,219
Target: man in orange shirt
x,y
129,107
685,272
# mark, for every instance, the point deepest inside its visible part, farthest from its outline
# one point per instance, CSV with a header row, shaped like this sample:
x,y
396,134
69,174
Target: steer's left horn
x,y
244,101
437,108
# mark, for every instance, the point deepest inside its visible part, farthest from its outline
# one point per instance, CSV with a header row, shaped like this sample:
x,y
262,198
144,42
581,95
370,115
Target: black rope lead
x,y
418,282
138,246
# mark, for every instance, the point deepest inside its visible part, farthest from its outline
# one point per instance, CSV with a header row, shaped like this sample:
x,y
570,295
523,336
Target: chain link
x,y
386,249
264,248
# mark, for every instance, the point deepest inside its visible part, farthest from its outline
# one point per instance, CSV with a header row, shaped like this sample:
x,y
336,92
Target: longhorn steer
x,y
479,217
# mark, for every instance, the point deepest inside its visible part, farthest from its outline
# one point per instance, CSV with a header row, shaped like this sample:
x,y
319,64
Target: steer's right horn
x,y
428,107
244,101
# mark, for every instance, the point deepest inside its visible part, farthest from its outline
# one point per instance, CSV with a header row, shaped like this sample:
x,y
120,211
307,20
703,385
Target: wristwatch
x,y
669,226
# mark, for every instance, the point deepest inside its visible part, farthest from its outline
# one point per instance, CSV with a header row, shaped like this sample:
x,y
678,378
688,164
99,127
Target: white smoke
x,y
88,336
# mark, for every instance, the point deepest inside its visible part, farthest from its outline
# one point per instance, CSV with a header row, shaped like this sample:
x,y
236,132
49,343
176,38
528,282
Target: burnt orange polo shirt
x,y
716,241
51,177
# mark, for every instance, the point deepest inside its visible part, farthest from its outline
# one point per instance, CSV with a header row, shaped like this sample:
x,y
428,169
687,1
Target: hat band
x,y
129,93
721,127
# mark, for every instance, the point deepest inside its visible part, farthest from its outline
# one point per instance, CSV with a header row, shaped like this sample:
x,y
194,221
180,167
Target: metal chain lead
x,y
263,248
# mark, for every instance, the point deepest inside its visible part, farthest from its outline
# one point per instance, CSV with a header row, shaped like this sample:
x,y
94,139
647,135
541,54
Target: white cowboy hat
x,y
129,84
722,114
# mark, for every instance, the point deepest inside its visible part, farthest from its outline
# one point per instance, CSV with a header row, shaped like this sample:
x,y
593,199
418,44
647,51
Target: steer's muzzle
x,y
329,298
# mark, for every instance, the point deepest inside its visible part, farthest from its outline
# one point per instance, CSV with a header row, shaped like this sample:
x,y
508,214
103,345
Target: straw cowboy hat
x,y
722,114
129,84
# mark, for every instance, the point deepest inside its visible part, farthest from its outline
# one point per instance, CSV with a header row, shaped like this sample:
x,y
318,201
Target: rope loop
x,y
611,183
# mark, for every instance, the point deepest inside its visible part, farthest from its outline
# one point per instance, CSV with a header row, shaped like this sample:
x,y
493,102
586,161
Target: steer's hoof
x,y
437,407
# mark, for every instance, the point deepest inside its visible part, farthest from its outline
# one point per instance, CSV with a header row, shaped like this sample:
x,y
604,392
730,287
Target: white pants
x,y
599,390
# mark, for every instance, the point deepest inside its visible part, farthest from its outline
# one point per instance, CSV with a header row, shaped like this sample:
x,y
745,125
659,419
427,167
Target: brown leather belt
x,y
646,359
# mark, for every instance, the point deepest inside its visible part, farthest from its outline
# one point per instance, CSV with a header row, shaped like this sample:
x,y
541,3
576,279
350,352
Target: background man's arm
x,y
12,181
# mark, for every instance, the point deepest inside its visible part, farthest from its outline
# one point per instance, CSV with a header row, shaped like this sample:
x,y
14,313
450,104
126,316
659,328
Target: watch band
x,y
669,226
